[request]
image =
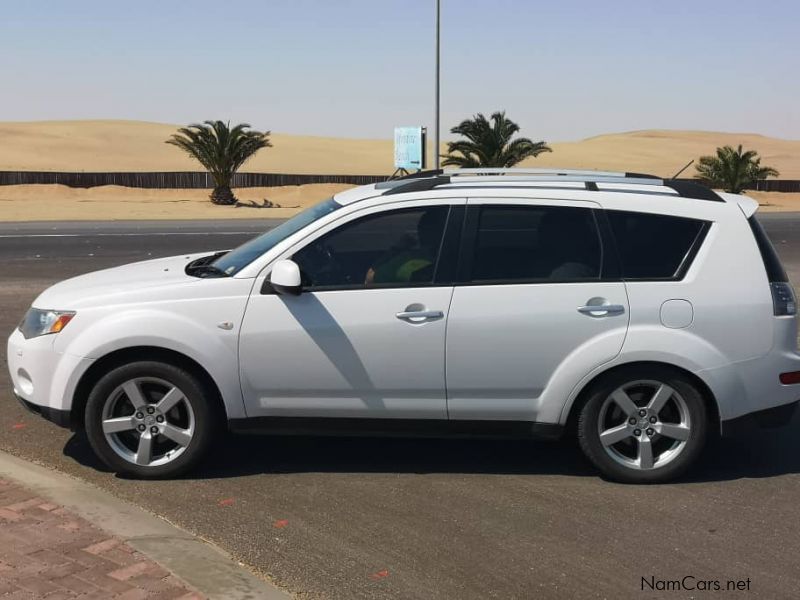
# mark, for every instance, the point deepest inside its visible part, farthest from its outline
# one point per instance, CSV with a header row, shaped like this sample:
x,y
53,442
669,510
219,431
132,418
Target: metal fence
x,y
202,180
778,185
176,179
768,185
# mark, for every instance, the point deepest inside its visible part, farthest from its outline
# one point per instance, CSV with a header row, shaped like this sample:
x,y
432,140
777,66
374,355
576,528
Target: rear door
x,y
536,288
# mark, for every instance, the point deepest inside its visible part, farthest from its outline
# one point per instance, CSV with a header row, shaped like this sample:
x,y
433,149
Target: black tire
x,y
204,406
589,425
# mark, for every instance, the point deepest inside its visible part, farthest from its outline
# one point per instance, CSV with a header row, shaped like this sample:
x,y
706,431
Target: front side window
x,y
536,244
653,246
398,248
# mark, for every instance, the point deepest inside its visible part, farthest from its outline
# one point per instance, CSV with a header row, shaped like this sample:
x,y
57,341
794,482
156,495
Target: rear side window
x,y
536,244
775,271
655,246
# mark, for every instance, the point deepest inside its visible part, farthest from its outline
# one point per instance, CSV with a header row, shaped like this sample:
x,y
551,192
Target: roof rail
x,y
554,171
417,175
413,185
555,180
590,179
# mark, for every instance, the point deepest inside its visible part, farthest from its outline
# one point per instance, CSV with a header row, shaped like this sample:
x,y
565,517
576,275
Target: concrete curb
x,y
203,566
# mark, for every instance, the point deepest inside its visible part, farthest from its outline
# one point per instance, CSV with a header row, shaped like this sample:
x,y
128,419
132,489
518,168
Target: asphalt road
x,y
387,518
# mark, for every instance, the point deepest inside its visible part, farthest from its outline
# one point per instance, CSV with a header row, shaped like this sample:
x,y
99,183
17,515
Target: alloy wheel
x,y
644,424
148,421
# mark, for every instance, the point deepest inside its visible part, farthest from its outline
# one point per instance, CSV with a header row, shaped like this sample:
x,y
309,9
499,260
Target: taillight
x,y
783,302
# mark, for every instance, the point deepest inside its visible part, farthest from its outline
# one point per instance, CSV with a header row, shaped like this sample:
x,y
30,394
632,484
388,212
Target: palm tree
x,y
222,150
490,145
733,170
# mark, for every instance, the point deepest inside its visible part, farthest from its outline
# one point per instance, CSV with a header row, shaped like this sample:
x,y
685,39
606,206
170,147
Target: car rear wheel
x,y
643,425
150,419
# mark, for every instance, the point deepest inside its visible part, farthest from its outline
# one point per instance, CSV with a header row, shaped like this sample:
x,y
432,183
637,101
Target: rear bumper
x,y
769,418
62,418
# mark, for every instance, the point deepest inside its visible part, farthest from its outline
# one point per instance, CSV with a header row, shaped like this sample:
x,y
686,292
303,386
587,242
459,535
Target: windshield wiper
x,y
203,270
202,266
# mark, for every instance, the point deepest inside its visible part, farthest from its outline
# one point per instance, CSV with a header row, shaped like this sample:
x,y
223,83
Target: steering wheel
x,y
323,265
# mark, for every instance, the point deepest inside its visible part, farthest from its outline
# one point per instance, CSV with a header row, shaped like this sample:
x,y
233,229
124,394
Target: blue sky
x,y
564,69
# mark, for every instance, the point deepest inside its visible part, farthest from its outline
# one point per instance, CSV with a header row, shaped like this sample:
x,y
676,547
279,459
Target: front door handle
x,y
601,310
417,316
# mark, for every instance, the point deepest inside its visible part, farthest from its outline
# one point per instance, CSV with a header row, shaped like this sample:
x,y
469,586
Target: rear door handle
x,y
420,315
601,310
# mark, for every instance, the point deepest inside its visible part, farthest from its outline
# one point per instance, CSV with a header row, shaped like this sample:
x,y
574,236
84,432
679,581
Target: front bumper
x,y
769,418
43,379
62,418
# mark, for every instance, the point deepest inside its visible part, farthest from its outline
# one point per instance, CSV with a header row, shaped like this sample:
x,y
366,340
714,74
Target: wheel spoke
x,y
145,450
624,402
673,430
615,434
659,399
170,399
118,424
134,394
182,437
645,458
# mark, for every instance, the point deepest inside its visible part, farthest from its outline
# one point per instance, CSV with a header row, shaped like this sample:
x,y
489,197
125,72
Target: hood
x,y
119,284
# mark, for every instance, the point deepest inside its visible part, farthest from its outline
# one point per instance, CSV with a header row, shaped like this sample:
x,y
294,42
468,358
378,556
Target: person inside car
x,y
416,263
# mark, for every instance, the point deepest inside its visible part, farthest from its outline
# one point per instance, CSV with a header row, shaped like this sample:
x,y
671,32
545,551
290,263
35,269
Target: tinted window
x,y
235,260
536,243
652,246
396,248
772,264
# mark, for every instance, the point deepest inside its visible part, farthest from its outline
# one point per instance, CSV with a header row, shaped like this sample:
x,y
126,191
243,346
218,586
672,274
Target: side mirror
x,y
285,278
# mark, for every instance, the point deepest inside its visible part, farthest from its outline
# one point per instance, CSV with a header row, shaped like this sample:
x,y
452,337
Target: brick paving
x,y
48,552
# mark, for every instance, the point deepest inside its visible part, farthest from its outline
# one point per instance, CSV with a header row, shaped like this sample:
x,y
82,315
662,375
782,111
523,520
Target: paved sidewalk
x,y
48,552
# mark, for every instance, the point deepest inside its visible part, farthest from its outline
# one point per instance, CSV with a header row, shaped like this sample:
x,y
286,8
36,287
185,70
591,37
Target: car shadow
x,y
762,453
766,453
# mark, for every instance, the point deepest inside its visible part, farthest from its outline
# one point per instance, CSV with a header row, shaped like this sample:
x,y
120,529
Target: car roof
x,y
550,182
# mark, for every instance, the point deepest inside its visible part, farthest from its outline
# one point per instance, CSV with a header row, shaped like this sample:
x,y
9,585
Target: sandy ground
x,y
139,146
61,203
776,201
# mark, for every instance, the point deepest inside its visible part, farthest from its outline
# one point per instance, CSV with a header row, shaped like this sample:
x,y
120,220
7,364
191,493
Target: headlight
x,y
41,322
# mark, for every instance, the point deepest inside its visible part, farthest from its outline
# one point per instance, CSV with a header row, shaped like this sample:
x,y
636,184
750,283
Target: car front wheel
x,y
149,419
643,425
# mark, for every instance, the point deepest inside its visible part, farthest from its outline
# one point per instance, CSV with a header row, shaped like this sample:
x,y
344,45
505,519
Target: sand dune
x,y
665,152
139,146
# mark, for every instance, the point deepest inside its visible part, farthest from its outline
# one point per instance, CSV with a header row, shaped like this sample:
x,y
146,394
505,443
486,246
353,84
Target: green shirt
x,y
401,268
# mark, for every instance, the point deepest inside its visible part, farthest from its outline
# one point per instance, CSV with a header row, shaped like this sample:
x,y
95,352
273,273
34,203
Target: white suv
x,y
638,313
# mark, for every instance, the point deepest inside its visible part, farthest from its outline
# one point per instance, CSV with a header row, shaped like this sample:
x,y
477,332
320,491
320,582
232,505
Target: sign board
x,y
409,148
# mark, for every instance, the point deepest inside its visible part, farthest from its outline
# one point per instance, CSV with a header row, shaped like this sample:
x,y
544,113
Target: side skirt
x,y
433,428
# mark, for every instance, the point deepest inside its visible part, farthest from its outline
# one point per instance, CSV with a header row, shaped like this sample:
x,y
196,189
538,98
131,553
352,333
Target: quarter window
x,y
653,246
397,248
536,244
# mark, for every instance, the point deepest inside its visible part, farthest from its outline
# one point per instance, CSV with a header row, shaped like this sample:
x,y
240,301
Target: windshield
x,y
235,260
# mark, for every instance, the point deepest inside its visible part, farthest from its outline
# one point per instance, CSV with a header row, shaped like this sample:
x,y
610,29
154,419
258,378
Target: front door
x,y
366,337
532,275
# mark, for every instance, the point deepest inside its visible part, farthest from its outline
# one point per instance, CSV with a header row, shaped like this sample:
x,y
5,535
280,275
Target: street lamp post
x,y
436,118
